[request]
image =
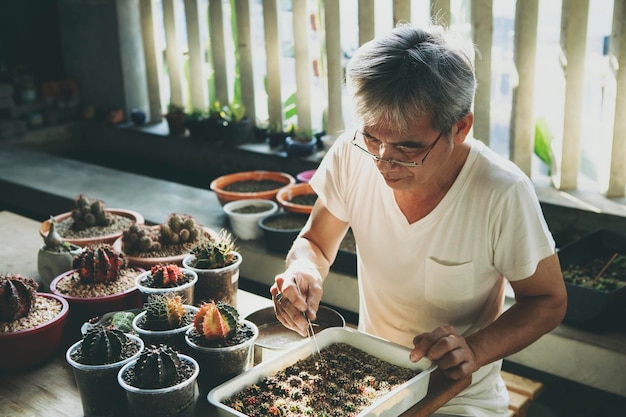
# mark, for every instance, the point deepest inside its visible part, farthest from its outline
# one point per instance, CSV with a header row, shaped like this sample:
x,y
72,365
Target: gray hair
x,y
410,73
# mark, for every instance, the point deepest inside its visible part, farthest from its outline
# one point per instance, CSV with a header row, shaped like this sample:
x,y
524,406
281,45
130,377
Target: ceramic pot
x,y
100,393
109,238
220,364
219,184
85,308
173,337
281,229
244,216
185,291
236,133
300,147
297,198
305,176
175,401
220,284
50,264
32,347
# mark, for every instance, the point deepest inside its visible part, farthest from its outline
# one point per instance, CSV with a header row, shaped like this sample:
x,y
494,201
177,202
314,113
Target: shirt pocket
x,y
448,286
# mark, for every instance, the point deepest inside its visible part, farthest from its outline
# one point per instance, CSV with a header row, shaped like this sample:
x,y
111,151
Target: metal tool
x,y
310,331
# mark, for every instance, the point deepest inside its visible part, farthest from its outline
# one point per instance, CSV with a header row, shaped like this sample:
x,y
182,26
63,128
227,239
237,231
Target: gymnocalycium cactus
x,y
89,213
140,238
164,312
102,345
166,276
217,253
216,321
99,264
17,295
156,367
179,228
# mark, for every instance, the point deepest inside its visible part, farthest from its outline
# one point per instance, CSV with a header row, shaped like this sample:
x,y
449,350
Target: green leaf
x,y
543,140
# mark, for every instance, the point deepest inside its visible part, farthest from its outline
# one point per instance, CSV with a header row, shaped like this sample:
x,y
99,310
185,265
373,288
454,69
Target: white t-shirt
x,y
446,268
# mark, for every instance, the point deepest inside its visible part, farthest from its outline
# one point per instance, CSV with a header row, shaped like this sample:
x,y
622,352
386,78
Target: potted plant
x,y
250,185
31,323
90,222
175,118
244,216
164,319
99,282
160,382
222,344
197,122
297,198
96,360
167,279
55,256
217,265
235,128
299,142
167,243
281,229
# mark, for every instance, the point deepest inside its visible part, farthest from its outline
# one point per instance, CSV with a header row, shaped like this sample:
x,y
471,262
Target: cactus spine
x,y
217,253
216,321
156,367
179,228
166,276
89,213
102,345
17,296
140,238
164,312
99,264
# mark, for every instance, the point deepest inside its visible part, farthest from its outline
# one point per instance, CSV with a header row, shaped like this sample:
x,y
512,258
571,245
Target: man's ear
x,y
461,129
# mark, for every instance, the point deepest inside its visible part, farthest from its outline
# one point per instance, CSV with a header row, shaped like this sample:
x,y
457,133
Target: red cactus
x,y
17,295
164,276
99,264
216,321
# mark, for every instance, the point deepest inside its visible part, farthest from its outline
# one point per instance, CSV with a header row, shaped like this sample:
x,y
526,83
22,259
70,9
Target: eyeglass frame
x,y
406,164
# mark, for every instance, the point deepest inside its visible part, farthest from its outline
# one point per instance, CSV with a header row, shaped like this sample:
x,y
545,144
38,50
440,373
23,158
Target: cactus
x,y
166,276
156,367
17,296
89,213
164,312
99,264
217,253
102,345
140,238
216,321
179,229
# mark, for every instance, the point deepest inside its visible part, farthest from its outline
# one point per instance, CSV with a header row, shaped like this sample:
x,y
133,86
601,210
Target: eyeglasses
x,y
408,164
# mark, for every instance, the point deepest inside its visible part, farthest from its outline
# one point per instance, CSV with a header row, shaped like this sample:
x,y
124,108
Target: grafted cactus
x,y
216,321
99,264
156,367
217,253
166,276
140,238
101,345
164,312
179,228
17,296
89,213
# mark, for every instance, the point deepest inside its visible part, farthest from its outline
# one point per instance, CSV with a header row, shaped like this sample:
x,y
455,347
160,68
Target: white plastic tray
x,y
393,404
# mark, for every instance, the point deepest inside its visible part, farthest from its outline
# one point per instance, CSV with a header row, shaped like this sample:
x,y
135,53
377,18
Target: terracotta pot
x,y
173,337
100,393
185,291
85,308
244,216
224,196
110,239
285,195
220,284
31,347
175,401
219,364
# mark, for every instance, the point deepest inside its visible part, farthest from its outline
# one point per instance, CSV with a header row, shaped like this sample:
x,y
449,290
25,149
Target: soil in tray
x,y
612,278
253,186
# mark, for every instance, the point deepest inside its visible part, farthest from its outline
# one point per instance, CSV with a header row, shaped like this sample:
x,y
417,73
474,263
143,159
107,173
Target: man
x,y
440,222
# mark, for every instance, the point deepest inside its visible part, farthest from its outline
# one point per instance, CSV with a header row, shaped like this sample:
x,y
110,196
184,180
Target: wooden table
x,y
50,390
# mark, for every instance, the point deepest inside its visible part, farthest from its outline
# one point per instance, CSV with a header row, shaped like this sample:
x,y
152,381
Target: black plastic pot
x,y
281,229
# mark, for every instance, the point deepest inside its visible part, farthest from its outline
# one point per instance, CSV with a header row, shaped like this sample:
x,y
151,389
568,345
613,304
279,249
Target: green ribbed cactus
x,y
140,238
179,228
217,253
99,264
101,345
157,367
89,213
164,312
17,296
